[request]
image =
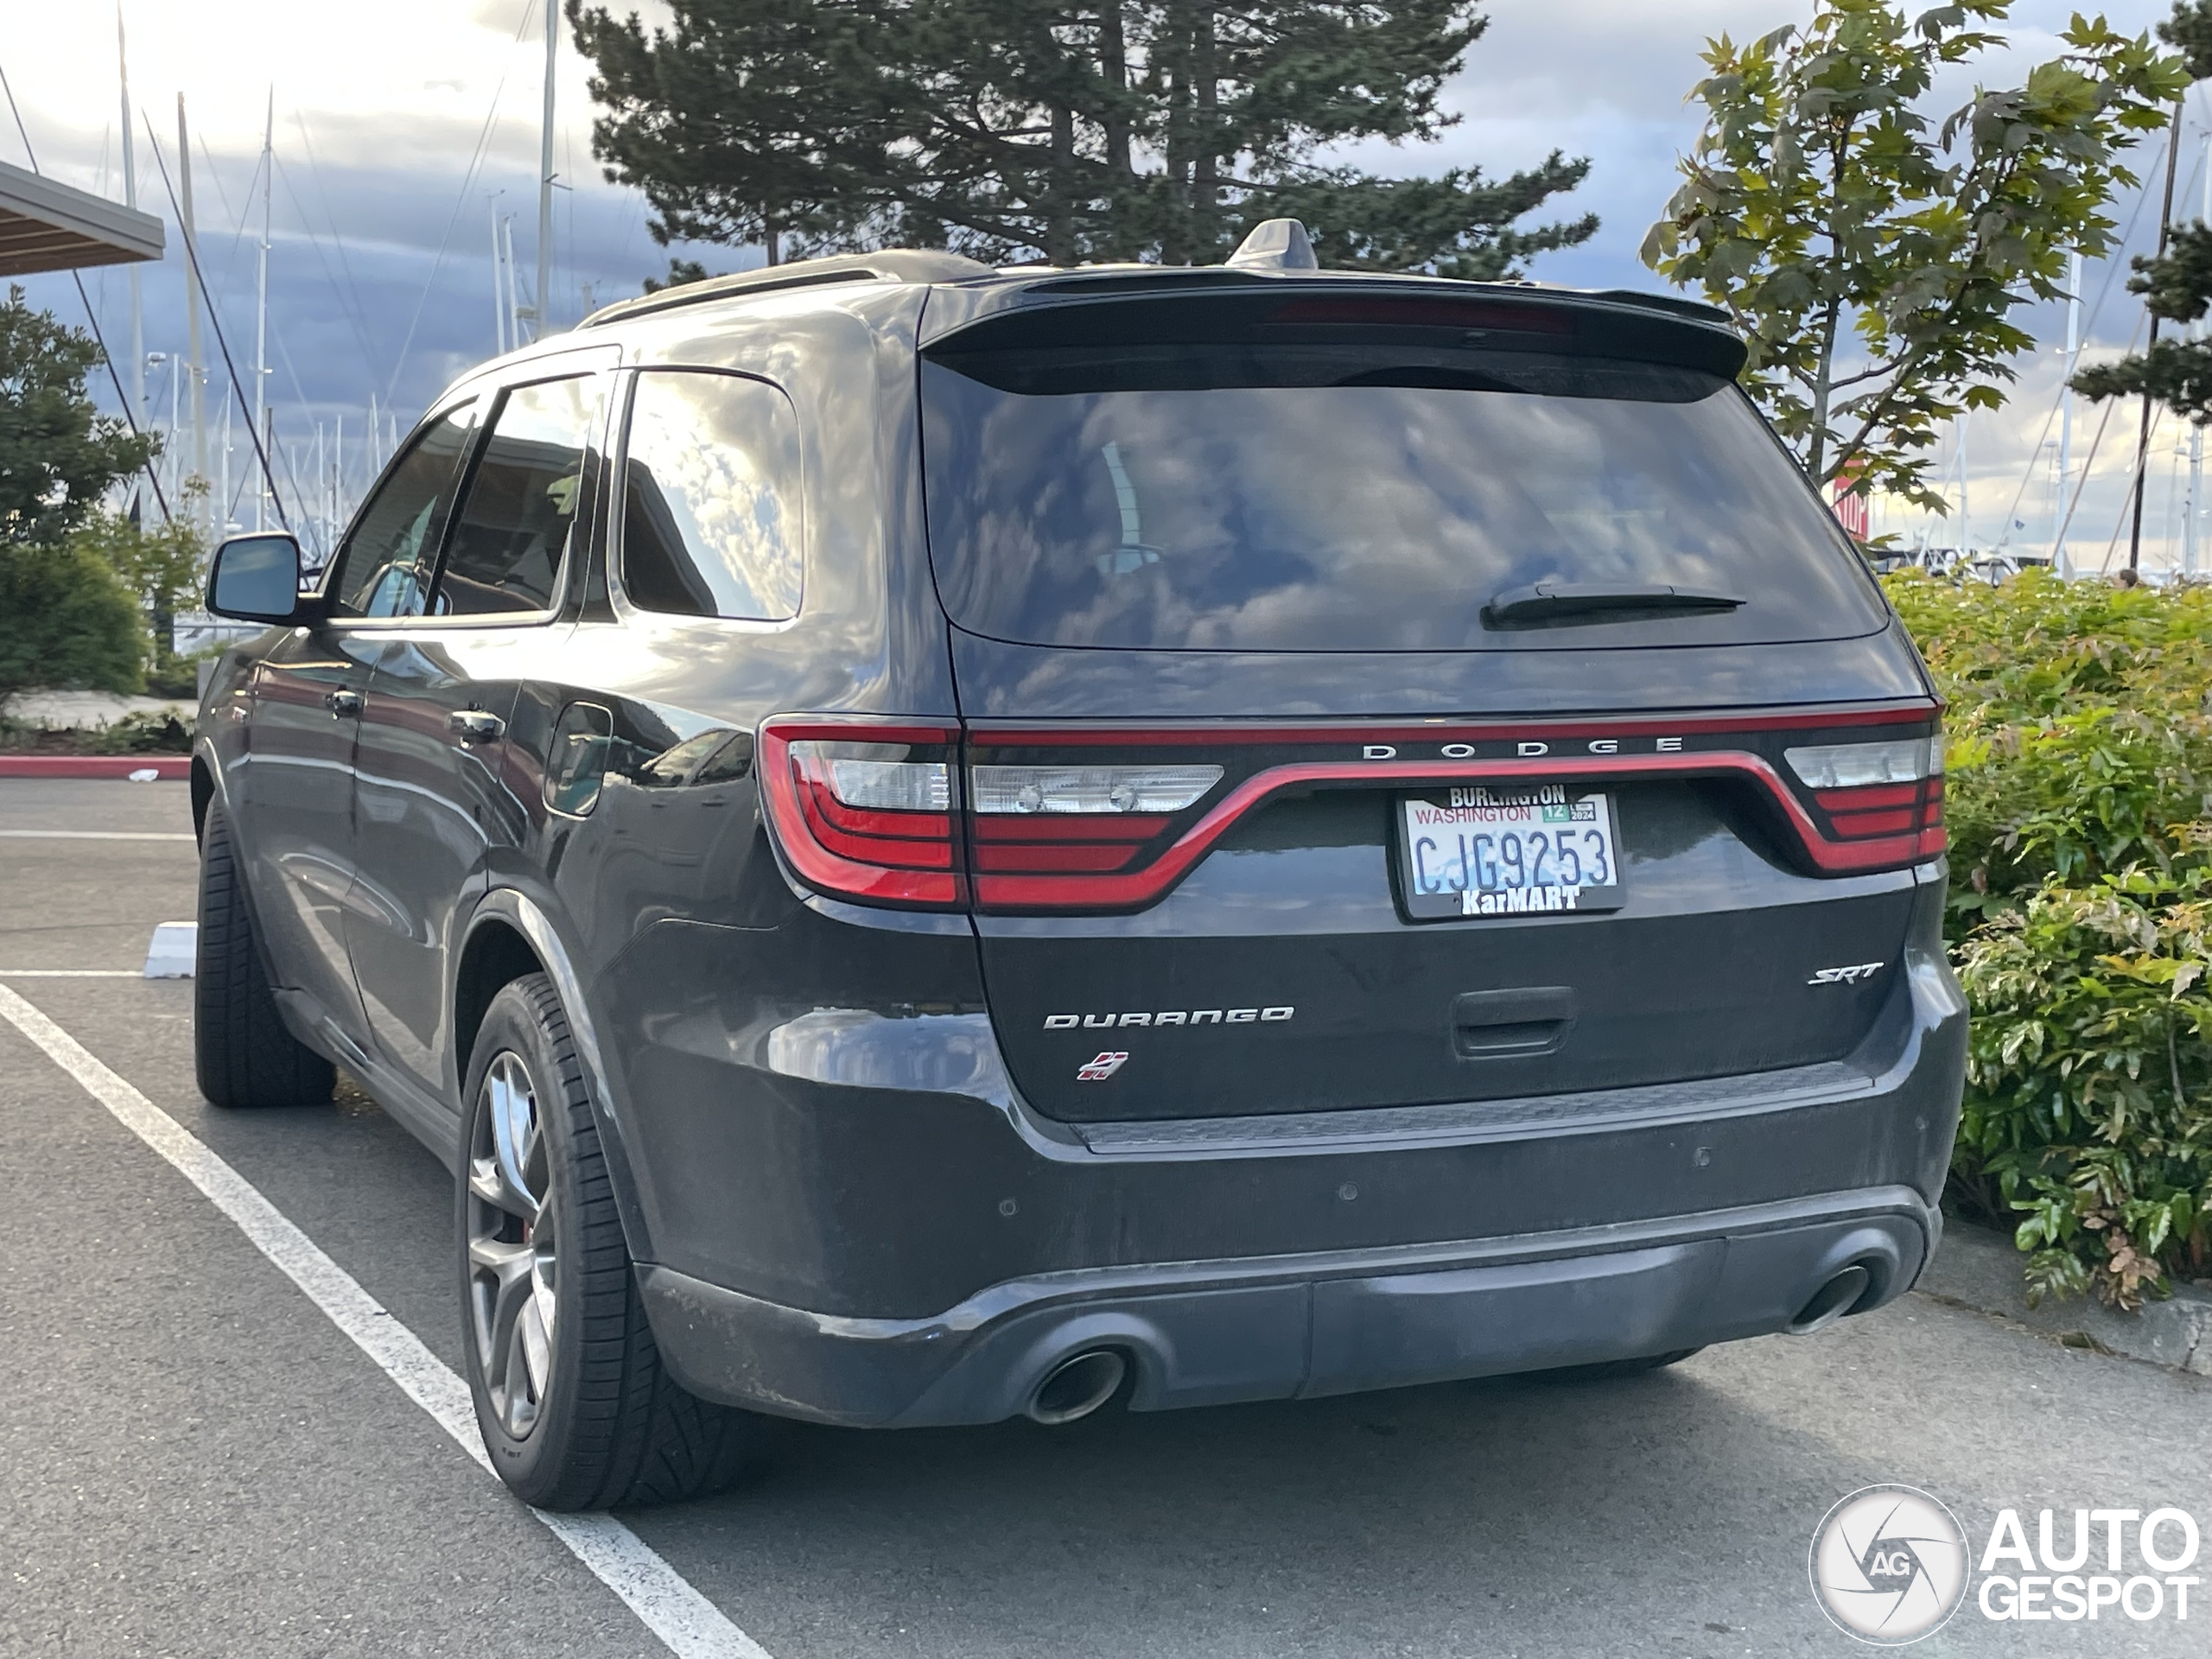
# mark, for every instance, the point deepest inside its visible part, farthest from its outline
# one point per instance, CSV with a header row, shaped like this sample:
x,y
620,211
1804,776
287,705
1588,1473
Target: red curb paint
x,y
93,765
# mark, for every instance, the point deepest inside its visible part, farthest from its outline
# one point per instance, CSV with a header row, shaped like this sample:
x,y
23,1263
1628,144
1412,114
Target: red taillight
x,y
865,809
883,811
1890,790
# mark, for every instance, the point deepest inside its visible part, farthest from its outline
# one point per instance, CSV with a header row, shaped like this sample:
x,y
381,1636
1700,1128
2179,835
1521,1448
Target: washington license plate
x,y
1489,849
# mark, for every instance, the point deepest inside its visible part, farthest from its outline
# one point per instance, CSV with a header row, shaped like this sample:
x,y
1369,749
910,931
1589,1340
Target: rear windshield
x,y
1333,500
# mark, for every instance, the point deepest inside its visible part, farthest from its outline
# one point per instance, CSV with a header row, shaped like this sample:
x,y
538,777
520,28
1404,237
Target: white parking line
x,y
96,835
71,973
687,1623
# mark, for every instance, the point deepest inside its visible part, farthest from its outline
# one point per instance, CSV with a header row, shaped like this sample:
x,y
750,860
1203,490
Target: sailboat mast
x,y
2059,512
2196,432
196,366
544,307
499,286
135,380
261,304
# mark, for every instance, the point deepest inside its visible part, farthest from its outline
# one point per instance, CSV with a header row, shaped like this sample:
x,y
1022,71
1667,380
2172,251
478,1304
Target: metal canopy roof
x,y
49,226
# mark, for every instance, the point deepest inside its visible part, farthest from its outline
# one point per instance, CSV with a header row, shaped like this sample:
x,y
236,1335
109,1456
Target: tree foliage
x,y
1131,129
70,620
58,455
1874,256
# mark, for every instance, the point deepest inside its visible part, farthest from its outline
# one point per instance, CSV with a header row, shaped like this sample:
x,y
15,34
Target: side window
x,y
710,517
386,564
510,534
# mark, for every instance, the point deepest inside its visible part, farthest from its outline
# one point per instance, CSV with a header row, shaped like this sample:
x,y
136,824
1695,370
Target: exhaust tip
x,y
1831,1301
1077,1386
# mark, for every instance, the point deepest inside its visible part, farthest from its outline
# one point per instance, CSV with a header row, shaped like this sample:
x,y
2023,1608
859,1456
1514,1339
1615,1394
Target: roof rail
x,y
886,265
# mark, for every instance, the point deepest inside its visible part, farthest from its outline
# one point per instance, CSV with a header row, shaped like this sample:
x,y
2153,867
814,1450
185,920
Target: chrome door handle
x,y
474,726
343,703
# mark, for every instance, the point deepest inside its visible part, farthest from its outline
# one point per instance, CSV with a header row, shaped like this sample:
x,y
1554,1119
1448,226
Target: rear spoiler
x,y
1218,307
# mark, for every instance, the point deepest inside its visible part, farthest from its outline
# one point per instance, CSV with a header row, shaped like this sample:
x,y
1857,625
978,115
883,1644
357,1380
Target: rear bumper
x,y
1214,1332
854,1220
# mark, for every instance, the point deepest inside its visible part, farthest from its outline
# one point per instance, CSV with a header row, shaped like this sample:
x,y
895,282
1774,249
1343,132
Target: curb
x,y
1978,1267
165,766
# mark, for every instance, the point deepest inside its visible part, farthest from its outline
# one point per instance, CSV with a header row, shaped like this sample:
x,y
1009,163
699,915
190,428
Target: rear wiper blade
x,y
1545,602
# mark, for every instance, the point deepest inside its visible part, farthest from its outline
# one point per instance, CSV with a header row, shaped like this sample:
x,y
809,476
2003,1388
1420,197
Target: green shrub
x,y
2088,1076
2080,737
70,621
2081,829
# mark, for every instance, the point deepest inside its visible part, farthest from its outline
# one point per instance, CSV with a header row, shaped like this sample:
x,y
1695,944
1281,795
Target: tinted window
x,y
1337,501
386,564
513,528
710,524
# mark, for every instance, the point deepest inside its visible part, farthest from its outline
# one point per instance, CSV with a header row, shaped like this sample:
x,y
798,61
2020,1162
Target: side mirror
x,y
255,579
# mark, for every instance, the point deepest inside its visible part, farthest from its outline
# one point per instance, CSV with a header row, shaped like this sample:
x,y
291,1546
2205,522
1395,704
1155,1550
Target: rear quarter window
x,y
711,487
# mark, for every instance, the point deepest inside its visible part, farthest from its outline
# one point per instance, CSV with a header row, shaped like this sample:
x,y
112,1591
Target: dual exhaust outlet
x,y
1083,1382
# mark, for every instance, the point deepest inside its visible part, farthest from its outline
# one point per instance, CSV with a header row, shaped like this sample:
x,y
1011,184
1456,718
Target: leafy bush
x,y
70,620
2081,723
2088,1075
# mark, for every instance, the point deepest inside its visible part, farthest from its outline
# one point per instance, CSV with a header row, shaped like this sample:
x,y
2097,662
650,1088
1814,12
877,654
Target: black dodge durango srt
x,y
932,842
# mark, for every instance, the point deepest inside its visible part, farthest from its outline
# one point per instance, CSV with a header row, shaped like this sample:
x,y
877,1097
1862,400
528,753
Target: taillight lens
x,y
1090,789
1071,821
864,809
1878,790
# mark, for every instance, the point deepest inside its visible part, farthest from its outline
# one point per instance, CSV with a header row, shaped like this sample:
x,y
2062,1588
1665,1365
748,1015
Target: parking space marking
x,y
96,835
688,1624
72,972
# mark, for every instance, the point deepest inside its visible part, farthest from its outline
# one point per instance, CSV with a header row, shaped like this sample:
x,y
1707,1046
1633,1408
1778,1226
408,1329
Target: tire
x,y
242,1052
1612,1367
583,1414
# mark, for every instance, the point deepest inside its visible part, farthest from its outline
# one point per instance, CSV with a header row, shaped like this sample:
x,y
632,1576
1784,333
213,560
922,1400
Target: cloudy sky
x,y
402,127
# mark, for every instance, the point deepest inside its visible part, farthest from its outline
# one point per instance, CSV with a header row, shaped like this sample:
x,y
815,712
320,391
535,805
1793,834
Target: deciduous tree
x,y
1875,254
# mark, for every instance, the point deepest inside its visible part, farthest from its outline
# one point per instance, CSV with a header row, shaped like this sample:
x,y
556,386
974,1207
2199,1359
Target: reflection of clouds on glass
x,y
1361,517
723,453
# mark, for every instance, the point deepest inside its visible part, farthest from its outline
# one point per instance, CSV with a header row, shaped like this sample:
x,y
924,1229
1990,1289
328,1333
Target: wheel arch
x,y
508,936
203,792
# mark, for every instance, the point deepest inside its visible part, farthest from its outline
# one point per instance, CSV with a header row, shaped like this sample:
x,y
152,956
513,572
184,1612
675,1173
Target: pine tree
x,y
2177,285
1133,129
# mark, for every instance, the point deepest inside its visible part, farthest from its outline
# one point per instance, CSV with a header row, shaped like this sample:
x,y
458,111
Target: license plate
x,y
1487,849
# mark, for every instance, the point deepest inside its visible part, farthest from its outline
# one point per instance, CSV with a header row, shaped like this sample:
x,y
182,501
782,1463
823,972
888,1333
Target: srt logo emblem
x,y
1845,976
1103,1067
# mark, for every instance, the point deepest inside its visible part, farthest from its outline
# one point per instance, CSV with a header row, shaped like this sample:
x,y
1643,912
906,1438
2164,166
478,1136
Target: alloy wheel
x,y
513,1245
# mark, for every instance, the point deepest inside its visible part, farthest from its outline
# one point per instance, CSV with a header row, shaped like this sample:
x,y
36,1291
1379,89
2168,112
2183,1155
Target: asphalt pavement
x,y
194,1460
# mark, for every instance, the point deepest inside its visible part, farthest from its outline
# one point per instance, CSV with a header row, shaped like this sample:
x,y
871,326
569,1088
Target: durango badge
x,y
1106,1064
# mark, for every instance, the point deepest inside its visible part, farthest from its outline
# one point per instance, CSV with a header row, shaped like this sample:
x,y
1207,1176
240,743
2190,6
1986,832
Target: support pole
x,y
2143,433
